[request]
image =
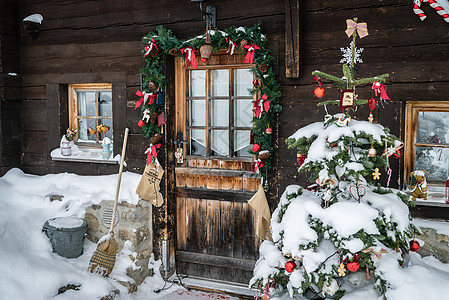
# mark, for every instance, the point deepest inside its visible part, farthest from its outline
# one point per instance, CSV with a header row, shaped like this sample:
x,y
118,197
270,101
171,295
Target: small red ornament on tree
x,y
397,154
319,91
290,266
141,123
256,148
300,159
414,245
353,266
372,103
269,130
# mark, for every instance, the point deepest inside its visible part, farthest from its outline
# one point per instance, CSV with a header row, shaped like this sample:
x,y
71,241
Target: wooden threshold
x,y
215,260
430,210
208,194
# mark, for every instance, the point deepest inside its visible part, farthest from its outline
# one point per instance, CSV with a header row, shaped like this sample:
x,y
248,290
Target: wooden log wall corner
x,y
164,217
292,49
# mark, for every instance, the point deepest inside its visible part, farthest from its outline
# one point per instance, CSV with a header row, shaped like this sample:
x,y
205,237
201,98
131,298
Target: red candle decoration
x,y
141,123
256,148
290,266
319,92
414,245
353,266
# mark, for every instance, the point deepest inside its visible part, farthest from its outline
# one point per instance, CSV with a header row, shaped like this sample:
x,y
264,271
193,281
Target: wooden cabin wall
x,y
10,93
99,41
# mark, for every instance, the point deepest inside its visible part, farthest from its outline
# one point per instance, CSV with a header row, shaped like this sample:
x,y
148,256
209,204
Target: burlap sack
x,y
148,188
260,205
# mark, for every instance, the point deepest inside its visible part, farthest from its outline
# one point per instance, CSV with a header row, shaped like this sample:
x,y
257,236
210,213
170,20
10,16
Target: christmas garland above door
x,y
249,41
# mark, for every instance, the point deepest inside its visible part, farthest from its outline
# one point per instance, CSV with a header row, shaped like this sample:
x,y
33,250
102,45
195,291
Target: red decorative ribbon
x,y
255,83
262,104
257,165
150,46
151,152
231,46
144,97
382,89
318,80
190,57
250,54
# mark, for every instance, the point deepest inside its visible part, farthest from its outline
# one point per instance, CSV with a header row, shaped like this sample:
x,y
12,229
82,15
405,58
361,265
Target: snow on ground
x,y
30,270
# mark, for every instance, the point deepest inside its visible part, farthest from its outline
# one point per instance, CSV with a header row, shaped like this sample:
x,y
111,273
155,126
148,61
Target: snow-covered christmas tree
x,y
334,235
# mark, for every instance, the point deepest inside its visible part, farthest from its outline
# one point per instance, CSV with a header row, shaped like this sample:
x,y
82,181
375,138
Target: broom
x,y
103,259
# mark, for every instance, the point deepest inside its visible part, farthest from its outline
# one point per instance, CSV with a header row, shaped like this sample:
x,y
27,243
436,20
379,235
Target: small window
x,y
90,113
219,111
427,142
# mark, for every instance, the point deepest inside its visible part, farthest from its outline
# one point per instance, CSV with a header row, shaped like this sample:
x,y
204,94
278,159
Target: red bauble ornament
x,y
353,266
300,159
414,245
256,148
372,103
397,153
141,123
290,266
269,130
319,91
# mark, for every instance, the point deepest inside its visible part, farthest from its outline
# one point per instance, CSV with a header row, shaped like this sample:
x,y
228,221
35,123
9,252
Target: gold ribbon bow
x,y
362,28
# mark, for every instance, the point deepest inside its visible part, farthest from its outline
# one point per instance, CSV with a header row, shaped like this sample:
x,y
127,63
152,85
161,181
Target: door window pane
x,y
435,161
433,127
197,142
197,83
219,113
243,112
219,83
243,81
86,103
197,112
219,142
241,143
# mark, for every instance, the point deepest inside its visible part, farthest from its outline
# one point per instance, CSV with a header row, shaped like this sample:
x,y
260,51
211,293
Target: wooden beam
x,y
292,38
209,194
215,260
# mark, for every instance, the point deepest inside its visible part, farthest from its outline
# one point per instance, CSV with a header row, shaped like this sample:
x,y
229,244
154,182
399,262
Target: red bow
x,y
382,88
257,166
260,104
144,96
250,54
151,152
148,48
190,57
231,47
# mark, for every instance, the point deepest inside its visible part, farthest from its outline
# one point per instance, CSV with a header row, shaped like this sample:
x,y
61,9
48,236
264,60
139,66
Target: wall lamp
x,y
210,14
31,25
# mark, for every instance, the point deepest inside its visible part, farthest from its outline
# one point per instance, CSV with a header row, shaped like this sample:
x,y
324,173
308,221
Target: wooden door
x,y
215,225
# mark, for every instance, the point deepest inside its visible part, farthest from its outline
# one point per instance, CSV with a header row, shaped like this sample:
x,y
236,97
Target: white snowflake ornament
x,y
347,55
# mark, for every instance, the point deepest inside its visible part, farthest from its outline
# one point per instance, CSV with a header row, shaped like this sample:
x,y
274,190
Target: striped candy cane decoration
x,y
434,4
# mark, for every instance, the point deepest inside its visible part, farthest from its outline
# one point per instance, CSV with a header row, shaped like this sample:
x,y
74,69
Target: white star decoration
x,y
347,55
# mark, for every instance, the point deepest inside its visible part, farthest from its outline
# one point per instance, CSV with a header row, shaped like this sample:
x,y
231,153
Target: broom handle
x,y
125,140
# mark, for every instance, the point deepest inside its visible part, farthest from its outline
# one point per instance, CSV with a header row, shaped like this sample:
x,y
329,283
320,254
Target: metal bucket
x,y
66,235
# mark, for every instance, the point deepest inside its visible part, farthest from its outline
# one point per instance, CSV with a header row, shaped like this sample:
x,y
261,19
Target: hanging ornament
x,y
330,287
300,159
269,130
346,98
256,148
376,174
343,121
342,270
153,118
190,57
152,86
370,117
434,4
146,115
140,124
353,266
397,153
382,89
290,266
372,103
356,28
231,46
357,191
372,152
179,156
250,54
257,165
319,91
206,49
263,68
160,98
265,154
414,245
389,172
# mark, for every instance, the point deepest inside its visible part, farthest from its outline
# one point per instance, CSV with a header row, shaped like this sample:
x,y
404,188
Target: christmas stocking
x,y
148,188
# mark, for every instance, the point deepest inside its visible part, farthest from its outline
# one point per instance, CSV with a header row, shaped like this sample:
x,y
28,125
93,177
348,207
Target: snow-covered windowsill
x,y
88,155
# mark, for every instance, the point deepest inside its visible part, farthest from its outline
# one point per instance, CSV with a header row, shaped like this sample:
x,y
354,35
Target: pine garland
x,y
167,43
